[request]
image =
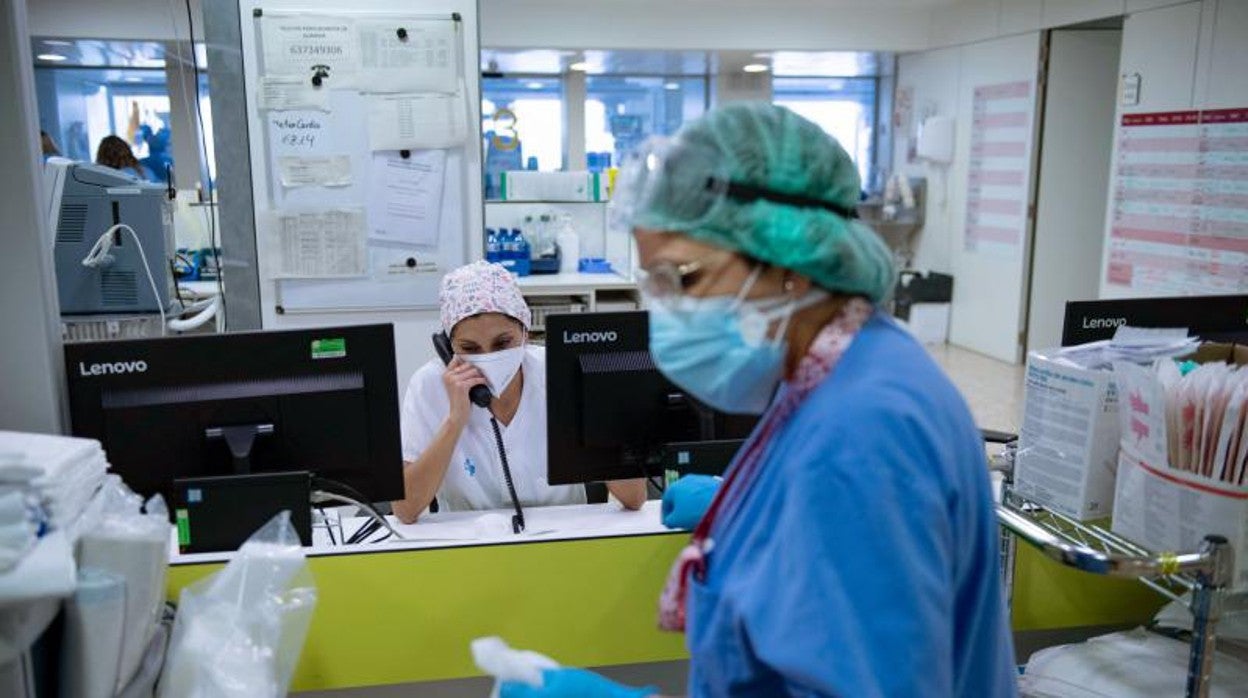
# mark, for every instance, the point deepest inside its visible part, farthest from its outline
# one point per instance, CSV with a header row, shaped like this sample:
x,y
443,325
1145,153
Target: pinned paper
x,y
307,45
321,244
286,93
301,133
410,121
405,196
409,55
324,171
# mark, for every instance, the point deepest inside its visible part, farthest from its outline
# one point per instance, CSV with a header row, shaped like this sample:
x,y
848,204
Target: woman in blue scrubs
x,y
852,548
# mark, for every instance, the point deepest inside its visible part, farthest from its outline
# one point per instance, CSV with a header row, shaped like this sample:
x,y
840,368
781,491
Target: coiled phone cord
x,y
517,519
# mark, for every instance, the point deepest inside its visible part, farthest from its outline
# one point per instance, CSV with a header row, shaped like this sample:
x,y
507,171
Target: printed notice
x,y
1179,223
996,199
321,244
285,93
409,55
307,45
405,196
412,121
324,171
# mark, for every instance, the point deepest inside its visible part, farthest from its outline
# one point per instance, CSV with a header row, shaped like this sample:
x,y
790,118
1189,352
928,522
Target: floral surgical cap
x,y
481,287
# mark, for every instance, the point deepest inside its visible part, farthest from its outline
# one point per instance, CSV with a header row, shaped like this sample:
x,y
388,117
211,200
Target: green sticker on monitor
x,y
334,348
184,527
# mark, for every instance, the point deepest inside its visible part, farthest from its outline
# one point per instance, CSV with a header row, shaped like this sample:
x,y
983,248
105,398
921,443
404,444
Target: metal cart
x,y
1205,573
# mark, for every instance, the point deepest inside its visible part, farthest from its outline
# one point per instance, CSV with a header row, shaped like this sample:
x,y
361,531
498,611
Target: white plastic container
x,y
569,245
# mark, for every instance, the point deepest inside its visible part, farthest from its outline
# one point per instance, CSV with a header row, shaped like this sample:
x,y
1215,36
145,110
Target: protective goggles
x,y
669,183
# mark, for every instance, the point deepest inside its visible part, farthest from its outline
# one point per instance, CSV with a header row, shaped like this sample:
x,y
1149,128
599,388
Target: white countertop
x,y
473,528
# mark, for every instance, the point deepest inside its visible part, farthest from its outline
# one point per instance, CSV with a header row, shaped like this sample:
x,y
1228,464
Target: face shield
x,y
670,184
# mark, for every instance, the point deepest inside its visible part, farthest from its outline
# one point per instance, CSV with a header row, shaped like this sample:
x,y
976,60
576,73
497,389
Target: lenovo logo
x,y
590,337
1103,323
111,369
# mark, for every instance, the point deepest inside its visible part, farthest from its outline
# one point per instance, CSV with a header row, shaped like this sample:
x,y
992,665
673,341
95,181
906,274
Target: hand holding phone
x,y
470,378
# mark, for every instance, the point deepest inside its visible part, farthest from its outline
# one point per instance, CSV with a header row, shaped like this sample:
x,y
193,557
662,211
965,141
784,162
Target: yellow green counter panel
x,y
408,615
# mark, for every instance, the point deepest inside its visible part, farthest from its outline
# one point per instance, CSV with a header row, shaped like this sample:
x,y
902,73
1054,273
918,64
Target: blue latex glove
x,y
687,499
573,683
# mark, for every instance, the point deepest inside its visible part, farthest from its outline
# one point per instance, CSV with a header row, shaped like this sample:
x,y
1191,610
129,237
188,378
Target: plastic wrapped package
x,y
94,622
238,633
131,540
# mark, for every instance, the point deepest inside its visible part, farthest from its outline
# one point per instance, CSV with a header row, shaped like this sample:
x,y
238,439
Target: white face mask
x,y
499,367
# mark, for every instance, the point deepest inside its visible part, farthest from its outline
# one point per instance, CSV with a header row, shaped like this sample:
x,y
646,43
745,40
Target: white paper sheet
x,y
321,170
297,44
301,134
321,244
409,121
285,93
405,196
425,60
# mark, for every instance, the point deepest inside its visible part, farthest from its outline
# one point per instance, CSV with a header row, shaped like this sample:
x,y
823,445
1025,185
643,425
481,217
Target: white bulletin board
x,y
364,135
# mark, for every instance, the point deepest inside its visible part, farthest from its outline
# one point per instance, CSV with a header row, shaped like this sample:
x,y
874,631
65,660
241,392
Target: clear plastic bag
x,y
238,633
131,540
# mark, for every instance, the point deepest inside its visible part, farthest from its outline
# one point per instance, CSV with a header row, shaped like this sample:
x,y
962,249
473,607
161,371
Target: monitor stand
x,y
239,438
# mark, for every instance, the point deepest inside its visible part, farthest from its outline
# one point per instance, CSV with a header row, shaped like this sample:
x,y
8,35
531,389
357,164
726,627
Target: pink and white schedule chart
x,y
1179,217
996,202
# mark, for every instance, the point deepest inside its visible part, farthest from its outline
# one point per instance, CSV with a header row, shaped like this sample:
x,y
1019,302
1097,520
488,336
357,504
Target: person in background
x,y
449,447
47,145
851,549
116,153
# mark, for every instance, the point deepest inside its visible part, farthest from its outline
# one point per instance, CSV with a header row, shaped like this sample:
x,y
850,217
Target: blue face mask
x,y
718,348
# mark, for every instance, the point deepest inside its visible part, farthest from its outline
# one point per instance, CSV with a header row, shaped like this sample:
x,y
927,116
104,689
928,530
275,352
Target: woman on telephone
x,y
450,450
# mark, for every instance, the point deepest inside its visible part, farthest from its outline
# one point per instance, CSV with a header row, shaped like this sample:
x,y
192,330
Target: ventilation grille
x,y
119,288
72,224
616,362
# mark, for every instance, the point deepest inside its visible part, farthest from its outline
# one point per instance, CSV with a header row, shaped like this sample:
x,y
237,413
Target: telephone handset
x,y
478,394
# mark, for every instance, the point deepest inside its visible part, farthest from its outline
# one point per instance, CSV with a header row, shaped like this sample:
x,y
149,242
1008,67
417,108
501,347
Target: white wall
x,y
976,20
1189,56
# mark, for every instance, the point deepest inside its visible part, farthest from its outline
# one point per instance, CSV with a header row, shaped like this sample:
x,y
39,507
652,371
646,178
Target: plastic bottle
x,y
569,245
524,257
544,238
492,247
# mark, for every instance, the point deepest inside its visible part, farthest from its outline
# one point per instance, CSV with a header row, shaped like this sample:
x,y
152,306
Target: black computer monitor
x,y
1213,318
611,415
318,400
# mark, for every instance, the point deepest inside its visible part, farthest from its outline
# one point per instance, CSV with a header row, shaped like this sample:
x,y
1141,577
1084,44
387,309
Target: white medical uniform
x,y
474,478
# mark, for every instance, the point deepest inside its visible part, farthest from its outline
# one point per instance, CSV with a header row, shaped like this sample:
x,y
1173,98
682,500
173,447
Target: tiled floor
x,y
993,389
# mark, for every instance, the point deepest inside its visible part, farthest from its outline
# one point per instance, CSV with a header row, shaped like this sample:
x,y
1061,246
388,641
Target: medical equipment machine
x,y
113,235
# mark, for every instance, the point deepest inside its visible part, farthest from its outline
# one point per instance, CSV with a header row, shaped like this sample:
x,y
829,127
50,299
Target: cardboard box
x,y
1164,509
1160,507
1068,444
525,185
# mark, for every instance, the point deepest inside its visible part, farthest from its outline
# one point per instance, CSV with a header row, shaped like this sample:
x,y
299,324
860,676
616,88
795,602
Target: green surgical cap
x,y
764,145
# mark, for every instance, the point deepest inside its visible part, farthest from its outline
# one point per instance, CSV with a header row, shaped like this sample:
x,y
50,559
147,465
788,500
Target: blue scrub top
x,y
863,560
